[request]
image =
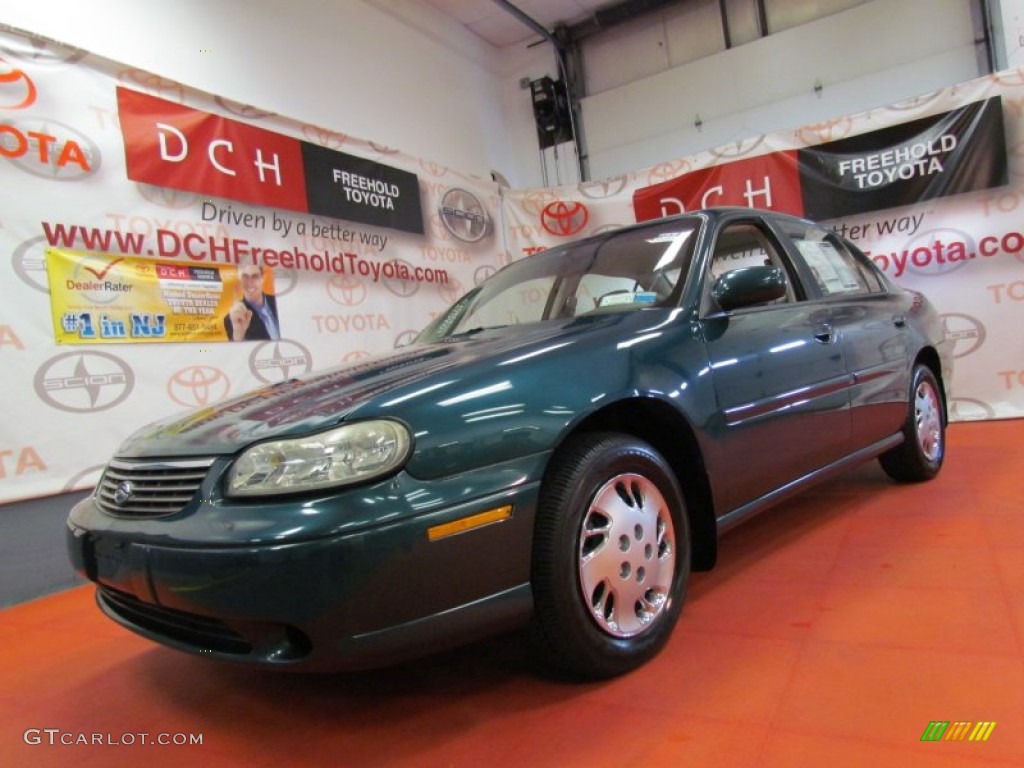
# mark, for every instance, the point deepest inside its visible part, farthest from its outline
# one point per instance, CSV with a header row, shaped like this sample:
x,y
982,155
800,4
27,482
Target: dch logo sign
x,y
171,145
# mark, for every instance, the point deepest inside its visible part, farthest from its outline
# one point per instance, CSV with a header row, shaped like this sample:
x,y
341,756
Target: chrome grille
x,y
142,489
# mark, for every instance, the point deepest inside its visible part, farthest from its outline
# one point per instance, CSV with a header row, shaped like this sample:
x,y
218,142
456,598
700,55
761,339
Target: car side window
x,y
746,245
835,267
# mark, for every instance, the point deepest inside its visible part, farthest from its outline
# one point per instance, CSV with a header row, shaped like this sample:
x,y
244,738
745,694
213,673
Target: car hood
x,y
325,398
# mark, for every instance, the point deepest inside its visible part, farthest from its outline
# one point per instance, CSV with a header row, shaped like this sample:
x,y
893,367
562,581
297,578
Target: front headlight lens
x,y
349,454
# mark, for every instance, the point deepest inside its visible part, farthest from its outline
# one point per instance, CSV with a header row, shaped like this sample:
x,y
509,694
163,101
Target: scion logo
x,y
247,111
464,216
346,290
482,273
402,288
49,149
84,382
603,189
966,332
17,91
667,171
405,338
564,218
275,361
198,385
29,263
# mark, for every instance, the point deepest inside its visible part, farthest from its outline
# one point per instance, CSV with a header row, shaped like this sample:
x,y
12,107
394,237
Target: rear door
x,y
778,372
869,320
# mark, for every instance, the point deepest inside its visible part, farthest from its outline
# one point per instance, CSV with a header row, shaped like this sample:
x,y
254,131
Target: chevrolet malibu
x,y
557,451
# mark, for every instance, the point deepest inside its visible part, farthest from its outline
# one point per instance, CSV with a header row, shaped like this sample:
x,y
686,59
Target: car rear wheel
x,y
920,455
611,556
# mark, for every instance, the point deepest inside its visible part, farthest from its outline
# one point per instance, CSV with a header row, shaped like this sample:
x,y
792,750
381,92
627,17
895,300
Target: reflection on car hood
x,y
325,398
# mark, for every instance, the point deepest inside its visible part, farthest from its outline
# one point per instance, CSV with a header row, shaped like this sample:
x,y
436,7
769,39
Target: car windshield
x,y
623,271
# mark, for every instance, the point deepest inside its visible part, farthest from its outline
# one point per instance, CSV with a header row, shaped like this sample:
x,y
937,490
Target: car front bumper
x,y
404,584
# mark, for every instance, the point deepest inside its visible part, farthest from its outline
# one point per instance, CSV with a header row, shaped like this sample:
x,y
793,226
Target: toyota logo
x,y
247,111
603,189
484,272
564,218
73,156
464,216
22,91
346,290
323,137
123,493
198,385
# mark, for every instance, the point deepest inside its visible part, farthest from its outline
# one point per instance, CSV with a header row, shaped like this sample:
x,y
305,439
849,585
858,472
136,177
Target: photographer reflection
x,y
254,316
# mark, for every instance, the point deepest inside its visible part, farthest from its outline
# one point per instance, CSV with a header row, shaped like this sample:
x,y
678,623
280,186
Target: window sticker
x,y
616,299
830,269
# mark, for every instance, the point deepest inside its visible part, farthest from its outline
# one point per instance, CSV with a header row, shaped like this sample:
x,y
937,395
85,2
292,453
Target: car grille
x,y
145,489
202,632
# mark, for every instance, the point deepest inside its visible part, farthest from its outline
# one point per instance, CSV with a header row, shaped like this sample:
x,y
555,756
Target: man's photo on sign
x,y
253,317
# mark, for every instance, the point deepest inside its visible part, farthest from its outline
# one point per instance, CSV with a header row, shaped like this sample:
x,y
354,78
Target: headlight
x,y
349,454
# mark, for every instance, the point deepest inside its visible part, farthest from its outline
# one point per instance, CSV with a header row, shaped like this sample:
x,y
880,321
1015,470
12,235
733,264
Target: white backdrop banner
x,y
156,206
961,242
119,180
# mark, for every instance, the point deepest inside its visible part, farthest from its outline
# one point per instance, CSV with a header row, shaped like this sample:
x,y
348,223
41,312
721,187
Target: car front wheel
x,y
920,455
611,556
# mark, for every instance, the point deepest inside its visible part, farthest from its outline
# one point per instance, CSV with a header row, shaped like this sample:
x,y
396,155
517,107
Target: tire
x,y
919,457
611,556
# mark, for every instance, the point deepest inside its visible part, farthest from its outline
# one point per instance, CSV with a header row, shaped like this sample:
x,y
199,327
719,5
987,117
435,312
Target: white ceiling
x,y
497,26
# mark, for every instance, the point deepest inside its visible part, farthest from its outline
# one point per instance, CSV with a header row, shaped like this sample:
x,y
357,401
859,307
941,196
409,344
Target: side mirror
x,y
748,286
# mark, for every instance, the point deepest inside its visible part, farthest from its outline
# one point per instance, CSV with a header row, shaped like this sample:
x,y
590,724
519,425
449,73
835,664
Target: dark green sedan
x,y
558,450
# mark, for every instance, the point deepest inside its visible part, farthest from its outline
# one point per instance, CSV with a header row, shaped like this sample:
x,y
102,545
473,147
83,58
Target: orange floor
x,y
834,630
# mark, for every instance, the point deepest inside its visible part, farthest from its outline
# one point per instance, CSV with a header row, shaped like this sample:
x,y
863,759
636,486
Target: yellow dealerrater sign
x,y
108,299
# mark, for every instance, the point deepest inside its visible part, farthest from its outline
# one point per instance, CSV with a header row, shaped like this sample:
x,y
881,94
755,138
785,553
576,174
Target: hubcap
x,y
928,421
627,555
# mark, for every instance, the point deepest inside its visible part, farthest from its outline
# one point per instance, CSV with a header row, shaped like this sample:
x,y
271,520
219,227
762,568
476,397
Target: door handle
x,y
824,334
899,321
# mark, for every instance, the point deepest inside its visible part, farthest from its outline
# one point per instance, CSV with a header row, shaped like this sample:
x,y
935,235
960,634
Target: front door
x,y
779,375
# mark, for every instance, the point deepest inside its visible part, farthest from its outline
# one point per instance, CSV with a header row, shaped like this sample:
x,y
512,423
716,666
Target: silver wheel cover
x,y
928,421
627,555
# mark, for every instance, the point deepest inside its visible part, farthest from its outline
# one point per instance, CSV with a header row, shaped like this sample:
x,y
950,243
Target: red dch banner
x,y
768,181
171,145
